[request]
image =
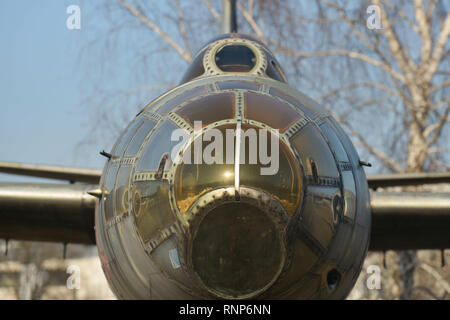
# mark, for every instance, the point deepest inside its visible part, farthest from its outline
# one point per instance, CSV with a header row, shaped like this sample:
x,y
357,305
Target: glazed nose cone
x,y
237,248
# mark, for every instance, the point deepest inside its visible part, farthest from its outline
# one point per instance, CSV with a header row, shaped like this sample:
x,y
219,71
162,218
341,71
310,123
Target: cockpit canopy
x,y
234,53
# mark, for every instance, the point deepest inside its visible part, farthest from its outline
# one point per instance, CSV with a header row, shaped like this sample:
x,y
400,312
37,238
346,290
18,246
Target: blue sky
x,y
40,118
43,109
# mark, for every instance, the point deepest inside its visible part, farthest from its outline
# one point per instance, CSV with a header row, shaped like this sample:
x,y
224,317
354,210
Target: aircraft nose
x,y
236,201
237,247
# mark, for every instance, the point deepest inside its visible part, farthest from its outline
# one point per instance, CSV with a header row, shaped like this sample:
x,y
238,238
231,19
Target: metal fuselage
x,y
233,185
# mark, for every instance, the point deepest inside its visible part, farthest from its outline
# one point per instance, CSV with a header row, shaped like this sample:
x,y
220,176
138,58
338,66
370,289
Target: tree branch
x,y
390,163
358,85
424,32
401,56
439,279
143,18
438,51
248,17
403,15
437,127
182,27
212,10
350,54
431,6
440,86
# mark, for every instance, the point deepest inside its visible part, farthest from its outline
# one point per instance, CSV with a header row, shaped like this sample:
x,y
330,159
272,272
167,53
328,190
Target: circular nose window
x,y
235,58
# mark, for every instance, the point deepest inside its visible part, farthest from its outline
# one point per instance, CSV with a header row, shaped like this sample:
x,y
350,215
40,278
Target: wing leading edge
x,y
92,176
407,179
84,175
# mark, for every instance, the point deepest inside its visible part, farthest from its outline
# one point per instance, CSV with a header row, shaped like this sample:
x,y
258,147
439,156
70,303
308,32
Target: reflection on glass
x,y
226,85
122,271
294,101
167,257
273,69
318,213
335,142
285,185
209,109
151,208
179,99
309,143
236,249
345,140
121,190
119,148
142,132
272,112
349,194
109,191
193,180
195,69
303,259
158,144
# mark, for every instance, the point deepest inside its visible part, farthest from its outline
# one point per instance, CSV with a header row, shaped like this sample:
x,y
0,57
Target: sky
x,y
42,97
39,80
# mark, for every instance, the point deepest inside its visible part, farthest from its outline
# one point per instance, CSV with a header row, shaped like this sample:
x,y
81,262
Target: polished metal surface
x,y
410,203
52,172
38,212
407,179
403,221
229,20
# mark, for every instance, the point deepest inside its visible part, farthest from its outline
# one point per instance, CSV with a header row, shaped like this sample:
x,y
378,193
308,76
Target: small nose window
x,y
235,58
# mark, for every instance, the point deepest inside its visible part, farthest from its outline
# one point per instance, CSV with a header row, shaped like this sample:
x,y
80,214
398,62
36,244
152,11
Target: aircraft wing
x,y
65,212
416,220
91,176
406,179
409,220
47,212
